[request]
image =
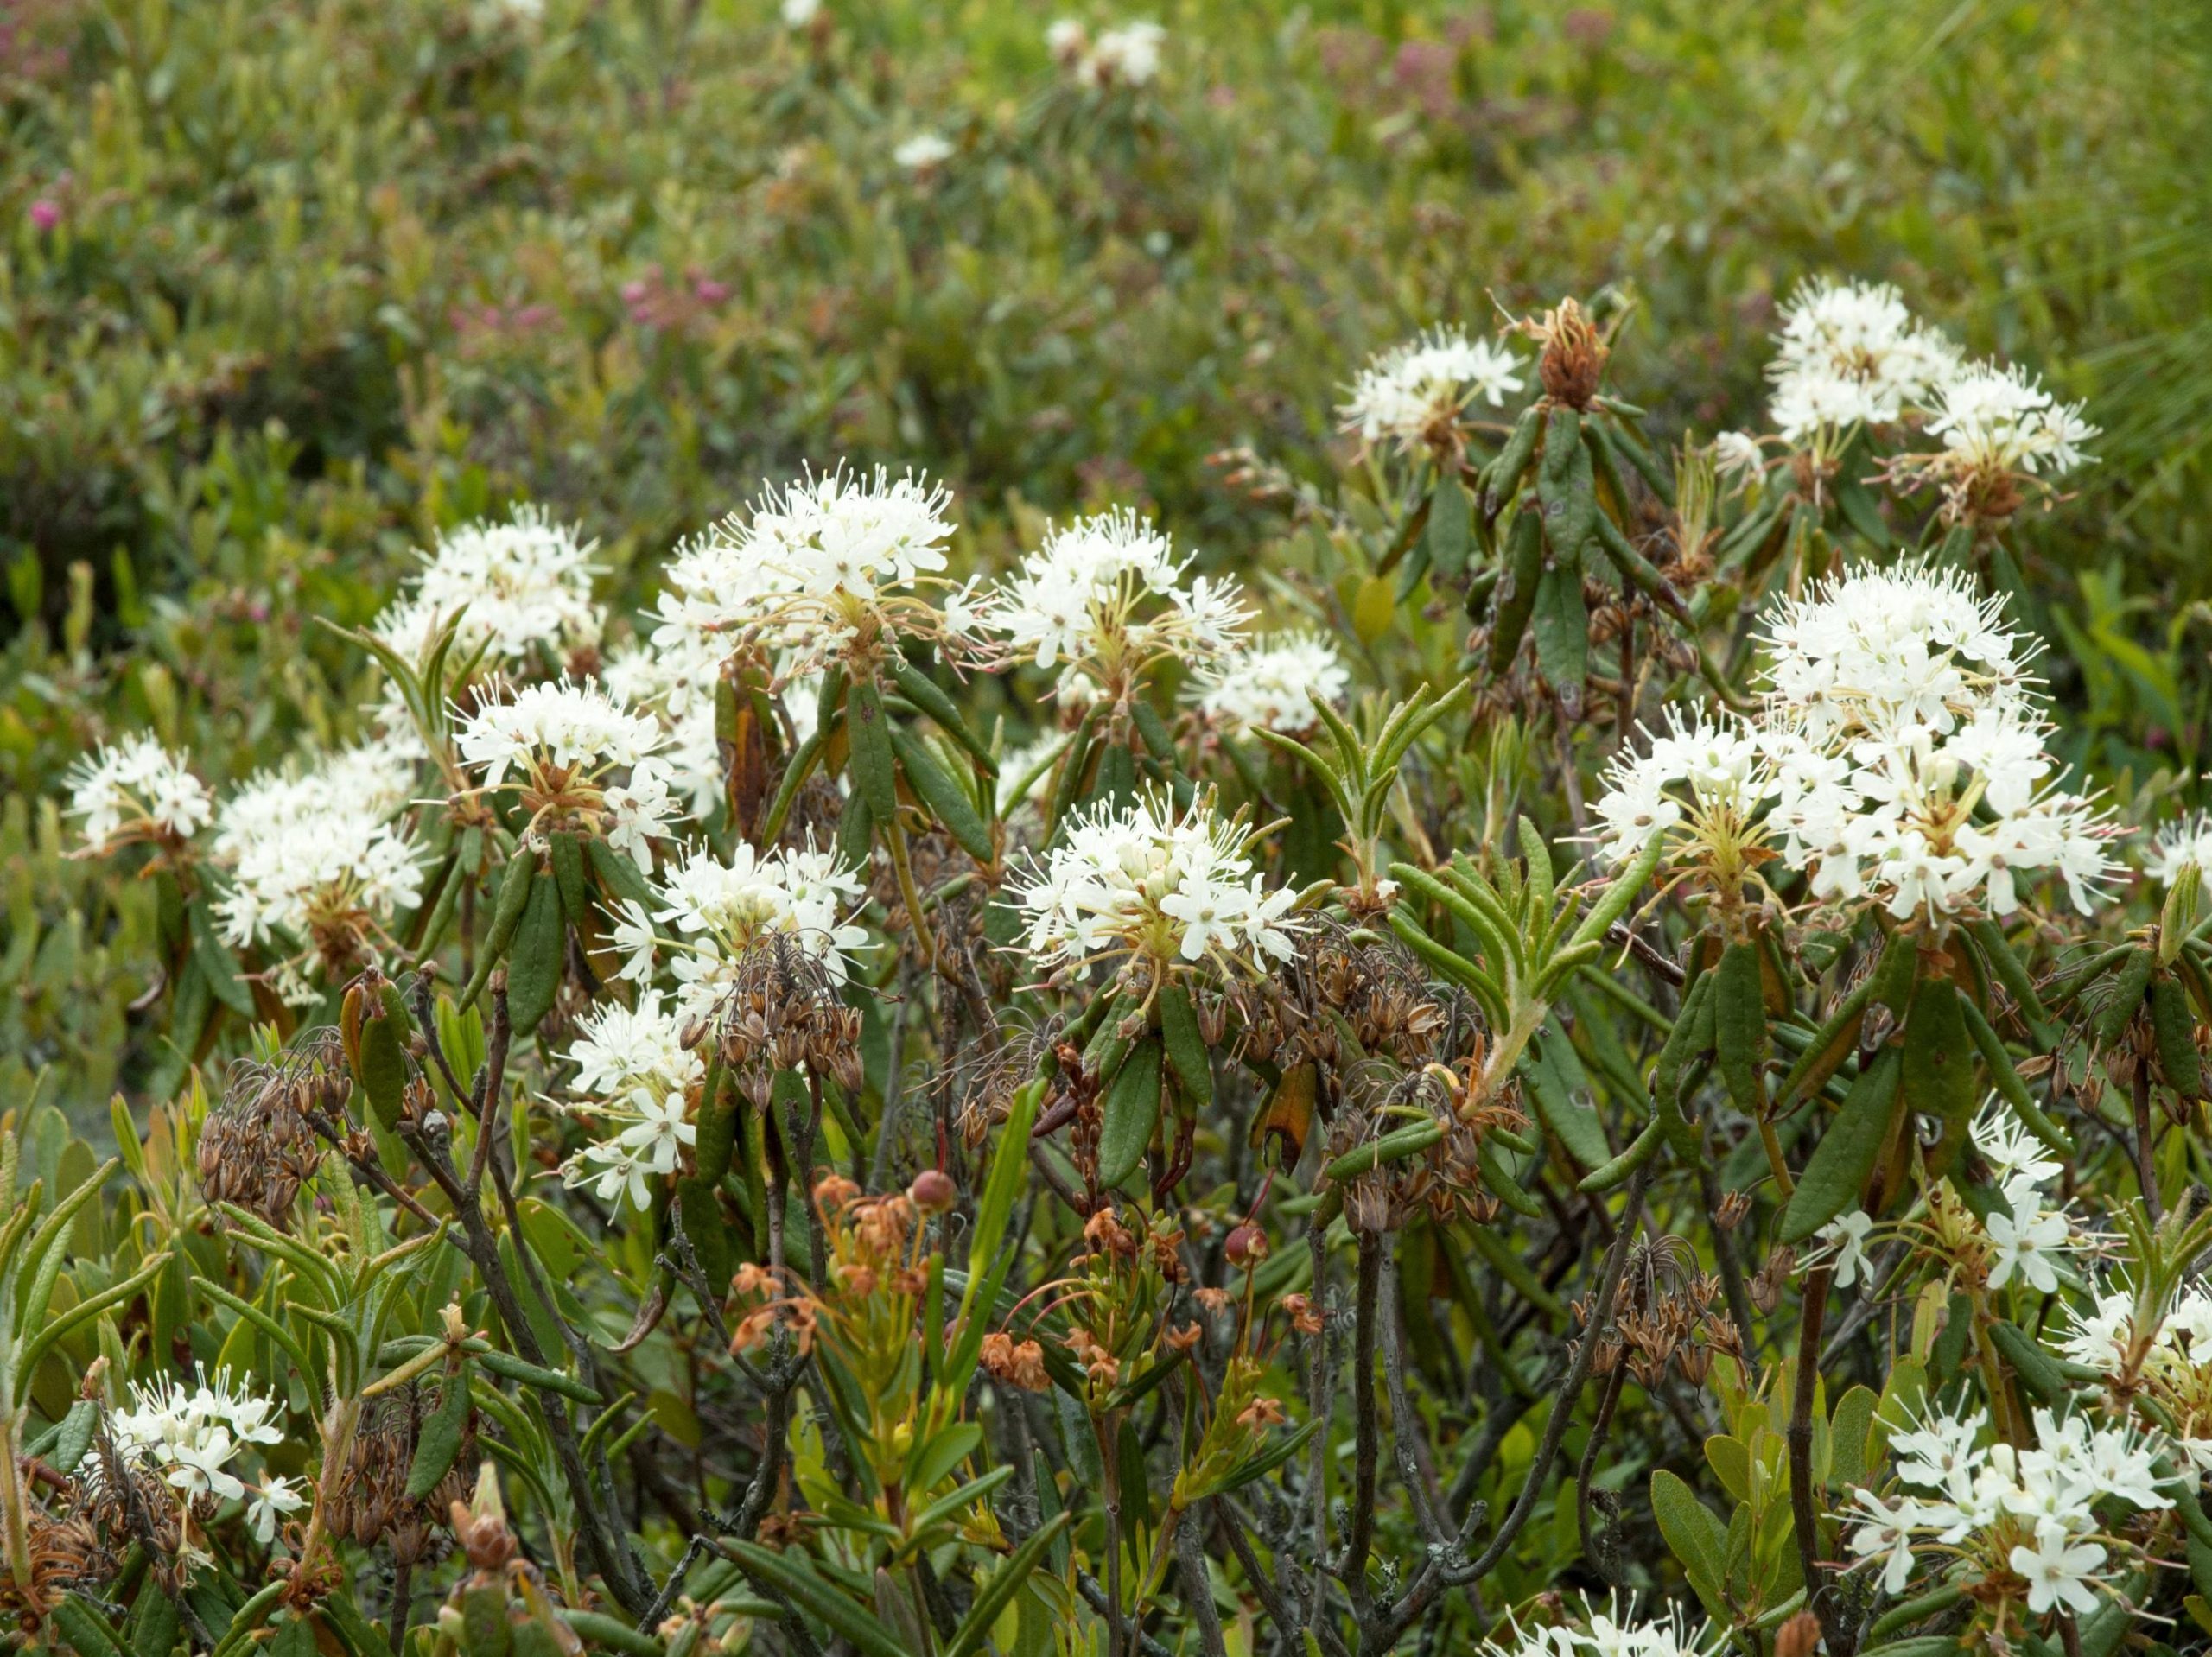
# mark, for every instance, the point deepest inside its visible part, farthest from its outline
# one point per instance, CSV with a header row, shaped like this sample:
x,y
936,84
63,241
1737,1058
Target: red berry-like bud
x,y
933,1191
1247,1244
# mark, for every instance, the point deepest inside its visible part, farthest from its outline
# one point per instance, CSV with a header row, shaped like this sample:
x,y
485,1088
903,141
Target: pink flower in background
x,y
45,214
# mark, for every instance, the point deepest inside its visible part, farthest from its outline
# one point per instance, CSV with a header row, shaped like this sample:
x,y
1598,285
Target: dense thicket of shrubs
x,y
839,833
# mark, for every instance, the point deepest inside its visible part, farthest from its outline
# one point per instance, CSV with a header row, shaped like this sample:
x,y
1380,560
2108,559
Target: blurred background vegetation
x,y
286,286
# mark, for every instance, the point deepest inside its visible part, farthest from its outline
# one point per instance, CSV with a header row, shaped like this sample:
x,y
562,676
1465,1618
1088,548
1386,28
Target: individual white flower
x,y
1141,881
2027,1240
1738,455
924,152
2100,1337
1104,600
1847,1234
136,790
2013,1152
1850,354
520,587
1412,394
276,1497
618,1049
2060,1571
1269,684
2177,846
721,911
797,14
1882,1531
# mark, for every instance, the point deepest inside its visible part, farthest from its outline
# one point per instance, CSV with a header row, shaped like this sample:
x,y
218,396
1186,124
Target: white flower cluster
x,y
520,587
2161,1357
618,1049
319,851
1126,55
136,790
2179,845
1912,749
564,742
1103,599
2029,1239
1993,419
193,1435
1850,354
1610,1633
1269,682
652,1127
721,911
815,566
1413,392
924,152
676,684
1143,882
1707,778
2031,1512
1900,757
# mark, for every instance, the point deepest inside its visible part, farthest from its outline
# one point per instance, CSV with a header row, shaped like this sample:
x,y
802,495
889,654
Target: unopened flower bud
x,y
933,1191
1247,1244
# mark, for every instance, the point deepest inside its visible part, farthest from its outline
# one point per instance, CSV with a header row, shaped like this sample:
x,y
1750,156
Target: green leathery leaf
x,y
2175,1031
216,962
1575,1123
1697,1538
535,962
438,1440
2034,1366
918,687
1514,600
1846,1156
565,856
997,1593
1501,476
2008,1082
1502,1182
1131,1112
517,881
1739,1038
382,1069
2005,962
1186,1048
875,764
817,1598
1567,491
1562,626
717,1129
1937,1076
2130,984
1451,527
938,790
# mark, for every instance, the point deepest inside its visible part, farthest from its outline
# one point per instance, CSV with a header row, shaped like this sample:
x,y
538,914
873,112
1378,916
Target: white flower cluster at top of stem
x,y
1899,757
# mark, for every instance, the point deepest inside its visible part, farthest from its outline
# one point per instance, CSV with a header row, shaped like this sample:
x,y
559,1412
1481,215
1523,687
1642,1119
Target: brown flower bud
x,y
1247,1246
933,1191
